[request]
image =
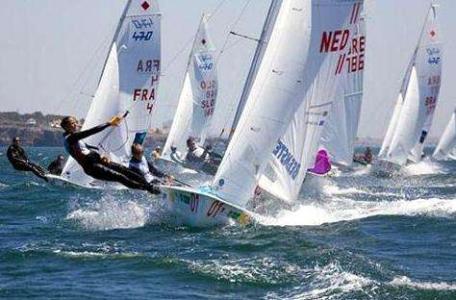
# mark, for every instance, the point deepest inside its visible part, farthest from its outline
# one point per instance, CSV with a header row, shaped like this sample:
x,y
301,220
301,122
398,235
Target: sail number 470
x,y
142,35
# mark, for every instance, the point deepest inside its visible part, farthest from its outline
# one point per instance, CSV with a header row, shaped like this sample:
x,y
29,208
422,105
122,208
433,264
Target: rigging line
x,y
125,121
86,67
222,50
191,39
229,119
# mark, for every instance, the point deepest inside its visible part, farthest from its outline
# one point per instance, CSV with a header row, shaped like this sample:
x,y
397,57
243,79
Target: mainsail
x,y
198,96
446,148
341,129
338,71
128,82
287,71
416,104
256,61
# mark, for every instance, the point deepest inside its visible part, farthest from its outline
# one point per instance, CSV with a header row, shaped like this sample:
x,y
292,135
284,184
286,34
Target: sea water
x,y
359,237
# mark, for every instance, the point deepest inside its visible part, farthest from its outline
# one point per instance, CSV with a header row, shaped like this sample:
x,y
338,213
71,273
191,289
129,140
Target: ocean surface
x,y
354,237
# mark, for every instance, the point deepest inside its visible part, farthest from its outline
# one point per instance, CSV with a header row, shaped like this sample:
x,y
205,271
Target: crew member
x,y
93,163
56,166
18,159
195,153
156,154
368,155
140,165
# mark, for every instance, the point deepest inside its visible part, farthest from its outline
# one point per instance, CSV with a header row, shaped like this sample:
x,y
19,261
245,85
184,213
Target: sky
x,y
52,51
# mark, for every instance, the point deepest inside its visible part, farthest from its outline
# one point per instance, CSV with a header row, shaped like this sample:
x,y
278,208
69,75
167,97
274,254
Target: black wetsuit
x,y
56,167
17,157
93,166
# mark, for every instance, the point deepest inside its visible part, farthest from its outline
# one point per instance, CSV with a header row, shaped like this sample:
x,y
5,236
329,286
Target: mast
x,y
116,35
259,53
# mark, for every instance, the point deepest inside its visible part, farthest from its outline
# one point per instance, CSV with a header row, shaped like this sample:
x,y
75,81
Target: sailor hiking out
x,y
19,160
95,165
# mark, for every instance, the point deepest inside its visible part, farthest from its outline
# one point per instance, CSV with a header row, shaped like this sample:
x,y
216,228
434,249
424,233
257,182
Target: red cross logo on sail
x,y
145,5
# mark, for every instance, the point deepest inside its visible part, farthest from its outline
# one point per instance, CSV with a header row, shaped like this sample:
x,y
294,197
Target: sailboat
x,y
415,106
301,33
296,151
341,129
198,97
446,148
127,86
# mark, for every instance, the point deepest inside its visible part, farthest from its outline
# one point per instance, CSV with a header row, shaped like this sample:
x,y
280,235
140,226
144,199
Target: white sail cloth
x,y
339,71
198,96
290,63
446,148
129,82
341,129
416,104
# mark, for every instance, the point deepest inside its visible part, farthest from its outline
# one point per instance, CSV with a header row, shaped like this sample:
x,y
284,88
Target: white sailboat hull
x,y
198,208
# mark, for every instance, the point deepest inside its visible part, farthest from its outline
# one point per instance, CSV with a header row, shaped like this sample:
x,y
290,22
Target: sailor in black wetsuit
x,y
93,163
56,166
17,157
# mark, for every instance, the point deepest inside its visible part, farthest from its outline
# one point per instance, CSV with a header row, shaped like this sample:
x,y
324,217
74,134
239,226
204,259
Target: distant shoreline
x,y
40,130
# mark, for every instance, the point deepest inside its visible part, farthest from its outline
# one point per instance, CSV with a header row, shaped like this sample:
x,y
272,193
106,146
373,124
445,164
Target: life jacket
x,y
196,155
142,166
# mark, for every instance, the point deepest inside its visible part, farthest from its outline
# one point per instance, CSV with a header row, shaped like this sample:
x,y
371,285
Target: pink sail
x,y
322,163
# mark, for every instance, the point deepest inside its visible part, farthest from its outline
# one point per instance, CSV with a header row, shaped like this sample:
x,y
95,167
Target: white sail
x,y
129,82
294,55
392,127
341,129
297,148
198,96
268,26
446,148
419,98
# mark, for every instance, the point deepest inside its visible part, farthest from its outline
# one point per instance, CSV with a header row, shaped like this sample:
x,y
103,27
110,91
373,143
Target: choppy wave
x,y
347,210
93,254
404,281
327,282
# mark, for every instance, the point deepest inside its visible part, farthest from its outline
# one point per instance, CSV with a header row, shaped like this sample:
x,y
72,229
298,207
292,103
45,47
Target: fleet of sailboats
x,y
415,106
302,96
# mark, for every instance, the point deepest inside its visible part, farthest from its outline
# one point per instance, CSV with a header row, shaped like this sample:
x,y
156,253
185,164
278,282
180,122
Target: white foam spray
x,y
109,213
424,167
337,210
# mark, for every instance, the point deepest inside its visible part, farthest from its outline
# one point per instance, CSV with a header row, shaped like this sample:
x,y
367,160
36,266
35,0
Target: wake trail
x,y
316,214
